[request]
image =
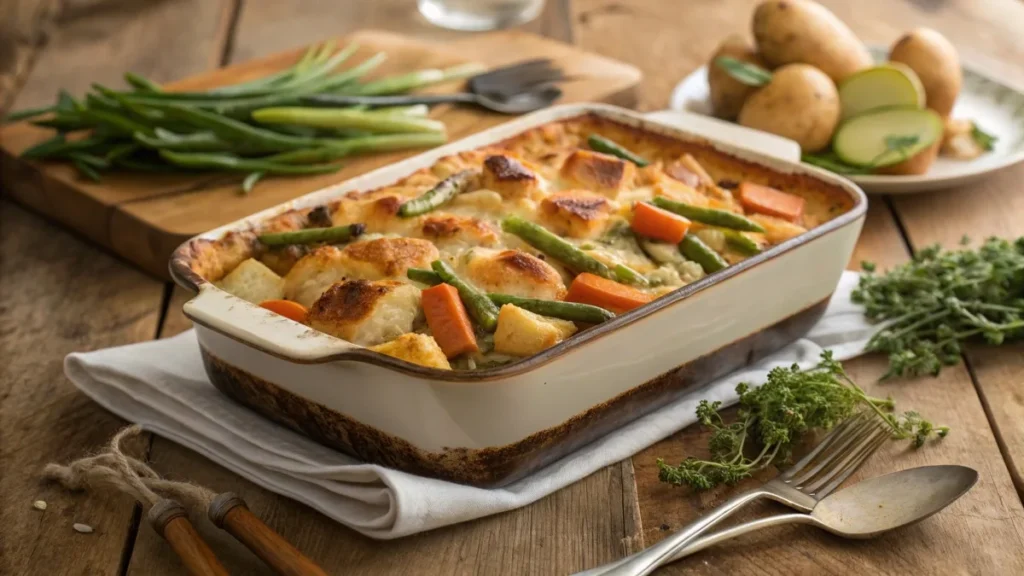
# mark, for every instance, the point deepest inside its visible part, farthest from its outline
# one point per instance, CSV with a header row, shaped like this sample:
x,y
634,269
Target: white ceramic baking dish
x,y
490,427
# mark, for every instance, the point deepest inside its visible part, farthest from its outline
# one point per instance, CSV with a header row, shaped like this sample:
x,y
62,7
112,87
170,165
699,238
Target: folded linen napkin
x,y
162,386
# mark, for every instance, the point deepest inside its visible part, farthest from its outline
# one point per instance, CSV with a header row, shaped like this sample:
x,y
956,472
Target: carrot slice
x,y
767,200
286,308
608,294
659,224
448,320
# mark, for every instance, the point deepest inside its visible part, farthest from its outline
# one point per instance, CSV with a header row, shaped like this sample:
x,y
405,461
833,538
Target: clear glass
x,y
479,15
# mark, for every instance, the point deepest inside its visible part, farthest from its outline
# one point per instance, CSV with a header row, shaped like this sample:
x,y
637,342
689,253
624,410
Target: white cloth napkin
x,y
162,386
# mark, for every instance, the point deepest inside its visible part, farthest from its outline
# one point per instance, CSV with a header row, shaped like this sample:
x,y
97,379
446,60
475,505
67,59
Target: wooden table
x,y
61,294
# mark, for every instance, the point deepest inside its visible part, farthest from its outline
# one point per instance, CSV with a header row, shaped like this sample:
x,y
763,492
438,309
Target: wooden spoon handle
x,y
170,520
229,512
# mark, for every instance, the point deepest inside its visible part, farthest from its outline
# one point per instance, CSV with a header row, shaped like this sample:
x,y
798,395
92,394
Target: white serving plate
x,y
997,107
490,427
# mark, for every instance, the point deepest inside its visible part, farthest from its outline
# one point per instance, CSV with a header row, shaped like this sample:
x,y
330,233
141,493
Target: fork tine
x,y
837,433
853,462
830,457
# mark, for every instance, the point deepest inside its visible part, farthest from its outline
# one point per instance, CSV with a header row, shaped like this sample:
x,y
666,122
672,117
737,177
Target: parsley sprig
x,y
934,303
773,417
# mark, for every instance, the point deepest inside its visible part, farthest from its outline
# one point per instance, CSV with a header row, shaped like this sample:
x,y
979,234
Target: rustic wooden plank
x,y
992,207
97,41
59,296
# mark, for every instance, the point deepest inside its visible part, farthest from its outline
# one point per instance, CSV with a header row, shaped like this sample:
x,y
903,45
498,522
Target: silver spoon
x,y
533,99
867,509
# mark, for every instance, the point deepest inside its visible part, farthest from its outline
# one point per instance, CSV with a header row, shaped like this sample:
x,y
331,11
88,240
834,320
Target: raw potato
x,y
788,31
937,64
727,93
800,103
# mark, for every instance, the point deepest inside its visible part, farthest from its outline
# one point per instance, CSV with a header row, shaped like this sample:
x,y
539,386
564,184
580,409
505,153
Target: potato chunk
x,y
508,177
576,213
379,259
513,272
449,230
523,333
388,257
366,313
601,173
777,230
416,348
253,281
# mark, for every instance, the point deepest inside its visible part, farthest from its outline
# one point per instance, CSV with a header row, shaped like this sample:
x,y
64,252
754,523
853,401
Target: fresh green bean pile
x,y
257,128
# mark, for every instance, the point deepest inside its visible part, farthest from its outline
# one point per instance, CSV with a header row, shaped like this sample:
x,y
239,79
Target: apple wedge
x,y
886,136
882,86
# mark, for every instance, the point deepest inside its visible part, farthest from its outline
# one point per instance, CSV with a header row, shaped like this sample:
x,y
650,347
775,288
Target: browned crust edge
x,y
500,465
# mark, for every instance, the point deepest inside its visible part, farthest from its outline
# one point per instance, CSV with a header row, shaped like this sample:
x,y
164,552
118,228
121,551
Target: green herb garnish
x,y
940,299
744,72
984,139
773,418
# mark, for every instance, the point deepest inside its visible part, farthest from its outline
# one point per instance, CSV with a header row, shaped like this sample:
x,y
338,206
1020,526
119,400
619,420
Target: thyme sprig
x,y
940,299
773,417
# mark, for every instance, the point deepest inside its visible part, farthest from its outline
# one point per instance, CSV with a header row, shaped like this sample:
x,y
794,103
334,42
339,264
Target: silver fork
x,y
800,487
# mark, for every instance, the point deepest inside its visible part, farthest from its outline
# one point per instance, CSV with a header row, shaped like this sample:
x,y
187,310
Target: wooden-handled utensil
x,y
170,520
229,512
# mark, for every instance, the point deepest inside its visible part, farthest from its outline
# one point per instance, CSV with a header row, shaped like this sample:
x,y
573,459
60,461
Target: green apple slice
x,y
882,86
886,136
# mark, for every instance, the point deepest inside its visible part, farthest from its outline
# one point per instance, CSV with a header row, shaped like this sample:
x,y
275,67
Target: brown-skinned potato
x,y
727,93
789,31
937,64
800,103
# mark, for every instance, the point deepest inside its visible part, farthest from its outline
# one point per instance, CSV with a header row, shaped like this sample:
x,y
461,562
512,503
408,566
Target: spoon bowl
x,y
877,505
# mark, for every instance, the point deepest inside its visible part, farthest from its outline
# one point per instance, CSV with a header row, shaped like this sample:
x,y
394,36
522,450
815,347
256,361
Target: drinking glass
x,y
478,15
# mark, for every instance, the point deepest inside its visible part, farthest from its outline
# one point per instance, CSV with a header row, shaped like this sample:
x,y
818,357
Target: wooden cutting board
x,y
144,217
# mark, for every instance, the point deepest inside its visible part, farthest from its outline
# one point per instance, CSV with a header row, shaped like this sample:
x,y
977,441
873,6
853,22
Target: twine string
x,y
112,468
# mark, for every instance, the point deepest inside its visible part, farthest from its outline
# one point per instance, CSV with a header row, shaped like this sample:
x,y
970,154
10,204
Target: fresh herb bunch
x,y
772,419
940,299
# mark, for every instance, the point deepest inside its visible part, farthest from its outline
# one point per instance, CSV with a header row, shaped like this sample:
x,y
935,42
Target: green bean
x,y
141,83
272,79
740,243
67,103
347,119
308,155
696,250
627,275
231,129
85,169
477,303
250,181
407,82
333,235
428,277
195,142
59,147
117,122
602,144
411,110
27,113
119,151
444,191
91,160
710,216
64,122
555,246
555,308
201,160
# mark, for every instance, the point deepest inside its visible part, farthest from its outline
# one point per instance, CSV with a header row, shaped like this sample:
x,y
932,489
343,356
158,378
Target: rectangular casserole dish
x,y
493,426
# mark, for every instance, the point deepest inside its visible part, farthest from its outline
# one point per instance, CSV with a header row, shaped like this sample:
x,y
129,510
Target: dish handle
x,y
260,328
732,135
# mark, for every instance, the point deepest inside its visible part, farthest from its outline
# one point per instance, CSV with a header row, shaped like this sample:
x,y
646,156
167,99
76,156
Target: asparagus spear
x,y
334,234
695,249
444,191
477,303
